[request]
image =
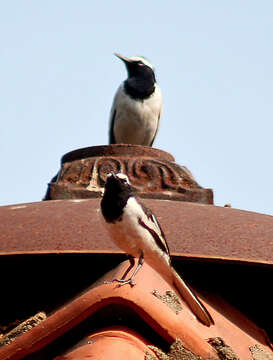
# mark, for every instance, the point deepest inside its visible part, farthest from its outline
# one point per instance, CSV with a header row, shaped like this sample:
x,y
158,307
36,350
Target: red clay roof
x,y
230,325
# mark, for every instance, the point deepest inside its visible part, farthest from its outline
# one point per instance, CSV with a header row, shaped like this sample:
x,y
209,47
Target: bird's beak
x,y
123,58
113,174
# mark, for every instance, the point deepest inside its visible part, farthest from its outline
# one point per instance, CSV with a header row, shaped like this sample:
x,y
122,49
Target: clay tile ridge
x,y
152,301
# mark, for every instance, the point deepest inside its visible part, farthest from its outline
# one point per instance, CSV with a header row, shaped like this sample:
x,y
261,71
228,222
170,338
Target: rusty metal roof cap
x,y
116,150
152,172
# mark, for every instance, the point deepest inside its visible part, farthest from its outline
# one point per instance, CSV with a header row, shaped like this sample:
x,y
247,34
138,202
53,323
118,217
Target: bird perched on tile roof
x,y
137,105
135,229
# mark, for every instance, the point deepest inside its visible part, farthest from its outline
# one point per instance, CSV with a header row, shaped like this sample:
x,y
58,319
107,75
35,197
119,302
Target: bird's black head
x,y
141,77
116,194
118,183
138,66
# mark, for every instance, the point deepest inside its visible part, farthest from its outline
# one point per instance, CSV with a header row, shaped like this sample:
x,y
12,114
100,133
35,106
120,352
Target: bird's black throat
x,y
114,200
140,83
139,89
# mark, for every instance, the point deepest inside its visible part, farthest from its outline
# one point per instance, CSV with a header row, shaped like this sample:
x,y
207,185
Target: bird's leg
x,y
130,280
132,264
139,265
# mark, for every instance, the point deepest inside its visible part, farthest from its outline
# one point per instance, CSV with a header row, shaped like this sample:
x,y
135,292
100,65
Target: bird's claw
x,y
121,282
124,282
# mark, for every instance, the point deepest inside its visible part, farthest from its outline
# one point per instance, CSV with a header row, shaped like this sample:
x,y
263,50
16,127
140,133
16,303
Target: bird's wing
x,y
159,116
151,224
158,121
113,113
112,139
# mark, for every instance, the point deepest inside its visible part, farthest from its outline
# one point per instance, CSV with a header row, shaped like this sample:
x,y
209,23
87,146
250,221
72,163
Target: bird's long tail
x,y
191,299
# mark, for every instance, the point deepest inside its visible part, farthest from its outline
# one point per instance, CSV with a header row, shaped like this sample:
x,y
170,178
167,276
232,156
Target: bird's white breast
x,y
132,238
136,121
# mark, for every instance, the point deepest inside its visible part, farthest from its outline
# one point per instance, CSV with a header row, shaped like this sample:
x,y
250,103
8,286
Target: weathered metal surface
x,y
152,172
191,229
236,330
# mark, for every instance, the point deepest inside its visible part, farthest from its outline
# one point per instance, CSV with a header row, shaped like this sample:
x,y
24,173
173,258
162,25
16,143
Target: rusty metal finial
x,y
152,172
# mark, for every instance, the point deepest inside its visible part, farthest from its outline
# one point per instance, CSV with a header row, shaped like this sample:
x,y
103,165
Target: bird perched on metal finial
x,y
134,229
137,105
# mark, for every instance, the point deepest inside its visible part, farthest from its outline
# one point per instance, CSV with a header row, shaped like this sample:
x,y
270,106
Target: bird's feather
x,y
191,299
152,225
112,139
158,122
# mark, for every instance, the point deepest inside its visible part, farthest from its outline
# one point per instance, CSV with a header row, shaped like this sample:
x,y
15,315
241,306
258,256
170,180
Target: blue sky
x,y
213,62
